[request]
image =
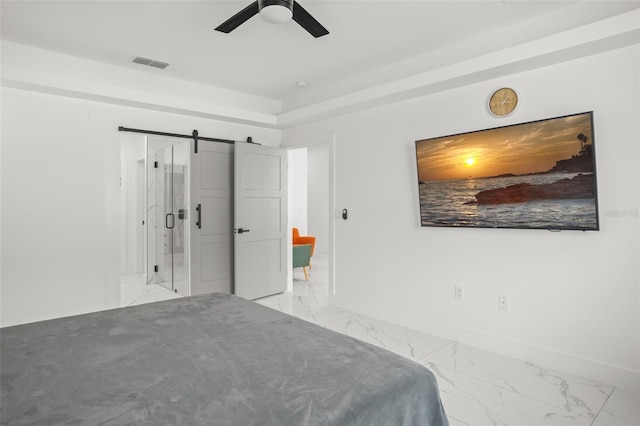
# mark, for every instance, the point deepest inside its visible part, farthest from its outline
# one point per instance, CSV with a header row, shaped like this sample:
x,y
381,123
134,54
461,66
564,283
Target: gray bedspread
x,y
208,360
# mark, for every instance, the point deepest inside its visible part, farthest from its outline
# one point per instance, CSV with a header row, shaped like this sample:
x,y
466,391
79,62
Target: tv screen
x,y
535,175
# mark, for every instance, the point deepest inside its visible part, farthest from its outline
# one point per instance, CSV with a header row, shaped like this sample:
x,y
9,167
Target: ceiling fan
x,y
276,11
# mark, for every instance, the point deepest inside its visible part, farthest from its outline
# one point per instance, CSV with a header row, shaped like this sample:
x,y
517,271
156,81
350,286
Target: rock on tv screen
x,y
535,175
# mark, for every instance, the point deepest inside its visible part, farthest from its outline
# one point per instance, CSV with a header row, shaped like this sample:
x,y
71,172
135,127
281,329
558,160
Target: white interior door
x,y
212,218
261,235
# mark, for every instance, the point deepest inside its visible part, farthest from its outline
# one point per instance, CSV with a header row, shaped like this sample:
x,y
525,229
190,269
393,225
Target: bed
x,y
214,359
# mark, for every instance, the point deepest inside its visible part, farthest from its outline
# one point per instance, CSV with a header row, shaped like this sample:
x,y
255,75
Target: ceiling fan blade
x,y
239,18
308,22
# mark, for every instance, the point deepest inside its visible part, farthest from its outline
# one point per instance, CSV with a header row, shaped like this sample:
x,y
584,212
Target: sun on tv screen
x,y
535,175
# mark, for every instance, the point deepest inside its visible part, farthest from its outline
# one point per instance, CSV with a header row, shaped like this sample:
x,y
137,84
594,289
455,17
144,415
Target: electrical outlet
x,y
459,293
503,302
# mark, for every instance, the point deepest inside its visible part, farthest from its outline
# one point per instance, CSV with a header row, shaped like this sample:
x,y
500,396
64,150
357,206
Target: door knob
x,y
242,230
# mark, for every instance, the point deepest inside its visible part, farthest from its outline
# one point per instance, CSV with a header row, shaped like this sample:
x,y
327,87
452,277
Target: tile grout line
x,y
451,342
602,408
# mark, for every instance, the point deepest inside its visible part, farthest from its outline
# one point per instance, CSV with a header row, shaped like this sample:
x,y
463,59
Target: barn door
x,y
212,218
261,235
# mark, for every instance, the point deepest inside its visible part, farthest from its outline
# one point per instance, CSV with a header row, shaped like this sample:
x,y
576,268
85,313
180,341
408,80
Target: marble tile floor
x,y
477,387
134,291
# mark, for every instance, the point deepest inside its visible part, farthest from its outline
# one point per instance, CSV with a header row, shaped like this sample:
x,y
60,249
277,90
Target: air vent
x,y
141,60
145,61
158,64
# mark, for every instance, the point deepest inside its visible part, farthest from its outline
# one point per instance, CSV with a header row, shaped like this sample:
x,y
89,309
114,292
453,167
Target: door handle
x,y
166,221
199,221
242,230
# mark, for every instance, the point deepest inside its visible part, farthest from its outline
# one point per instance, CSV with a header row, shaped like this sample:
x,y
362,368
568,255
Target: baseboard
x,y
543,356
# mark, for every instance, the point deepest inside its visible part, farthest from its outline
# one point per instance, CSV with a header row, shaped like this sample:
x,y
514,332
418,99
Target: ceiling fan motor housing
x,y
271,13
276,11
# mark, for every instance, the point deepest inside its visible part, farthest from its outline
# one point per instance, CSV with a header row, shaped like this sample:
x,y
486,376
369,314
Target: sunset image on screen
x,y
539,174
528,148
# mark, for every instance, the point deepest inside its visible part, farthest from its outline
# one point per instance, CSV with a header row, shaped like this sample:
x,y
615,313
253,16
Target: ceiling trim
x,y
82,78
609,34
85,79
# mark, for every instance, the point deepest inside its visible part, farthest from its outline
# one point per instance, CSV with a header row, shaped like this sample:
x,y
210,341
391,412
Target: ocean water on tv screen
x,y
452,203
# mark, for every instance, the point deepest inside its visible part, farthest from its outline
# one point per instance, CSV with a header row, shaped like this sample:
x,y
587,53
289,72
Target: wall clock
x,y
503,102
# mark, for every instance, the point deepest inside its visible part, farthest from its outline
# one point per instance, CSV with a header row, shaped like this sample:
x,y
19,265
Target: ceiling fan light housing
x,y
276,11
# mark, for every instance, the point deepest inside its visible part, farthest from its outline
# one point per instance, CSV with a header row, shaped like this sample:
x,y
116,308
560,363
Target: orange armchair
x,y
304,239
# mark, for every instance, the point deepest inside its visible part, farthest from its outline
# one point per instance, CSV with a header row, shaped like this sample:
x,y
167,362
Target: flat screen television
x,y
535,175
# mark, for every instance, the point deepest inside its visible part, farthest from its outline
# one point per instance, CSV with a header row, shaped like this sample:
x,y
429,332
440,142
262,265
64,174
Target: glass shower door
x,y
180,230
167,235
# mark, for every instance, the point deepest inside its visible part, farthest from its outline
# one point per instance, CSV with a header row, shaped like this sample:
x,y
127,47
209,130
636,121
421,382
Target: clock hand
x,y
505,100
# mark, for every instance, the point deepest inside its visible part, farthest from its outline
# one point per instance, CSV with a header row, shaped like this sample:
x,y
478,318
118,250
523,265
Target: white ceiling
x,y
370,42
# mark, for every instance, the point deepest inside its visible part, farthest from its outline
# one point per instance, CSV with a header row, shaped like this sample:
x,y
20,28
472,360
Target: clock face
x,y
503,102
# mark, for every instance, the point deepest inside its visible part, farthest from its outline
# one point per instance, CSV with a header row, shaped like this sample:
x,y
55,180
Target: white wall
x,y
132,203
574,295
59,209
61,198
298,188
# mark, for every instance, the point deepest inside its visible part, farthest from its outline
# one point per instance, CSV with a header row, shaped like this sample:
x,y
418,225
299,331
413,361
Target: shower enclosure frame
x,y
167,201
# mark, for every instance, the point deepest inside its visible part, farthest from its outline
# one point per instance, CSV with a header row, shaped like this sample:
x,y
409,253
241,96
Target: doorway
x,y
147,195
177,216
169,242
311,192
179,240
